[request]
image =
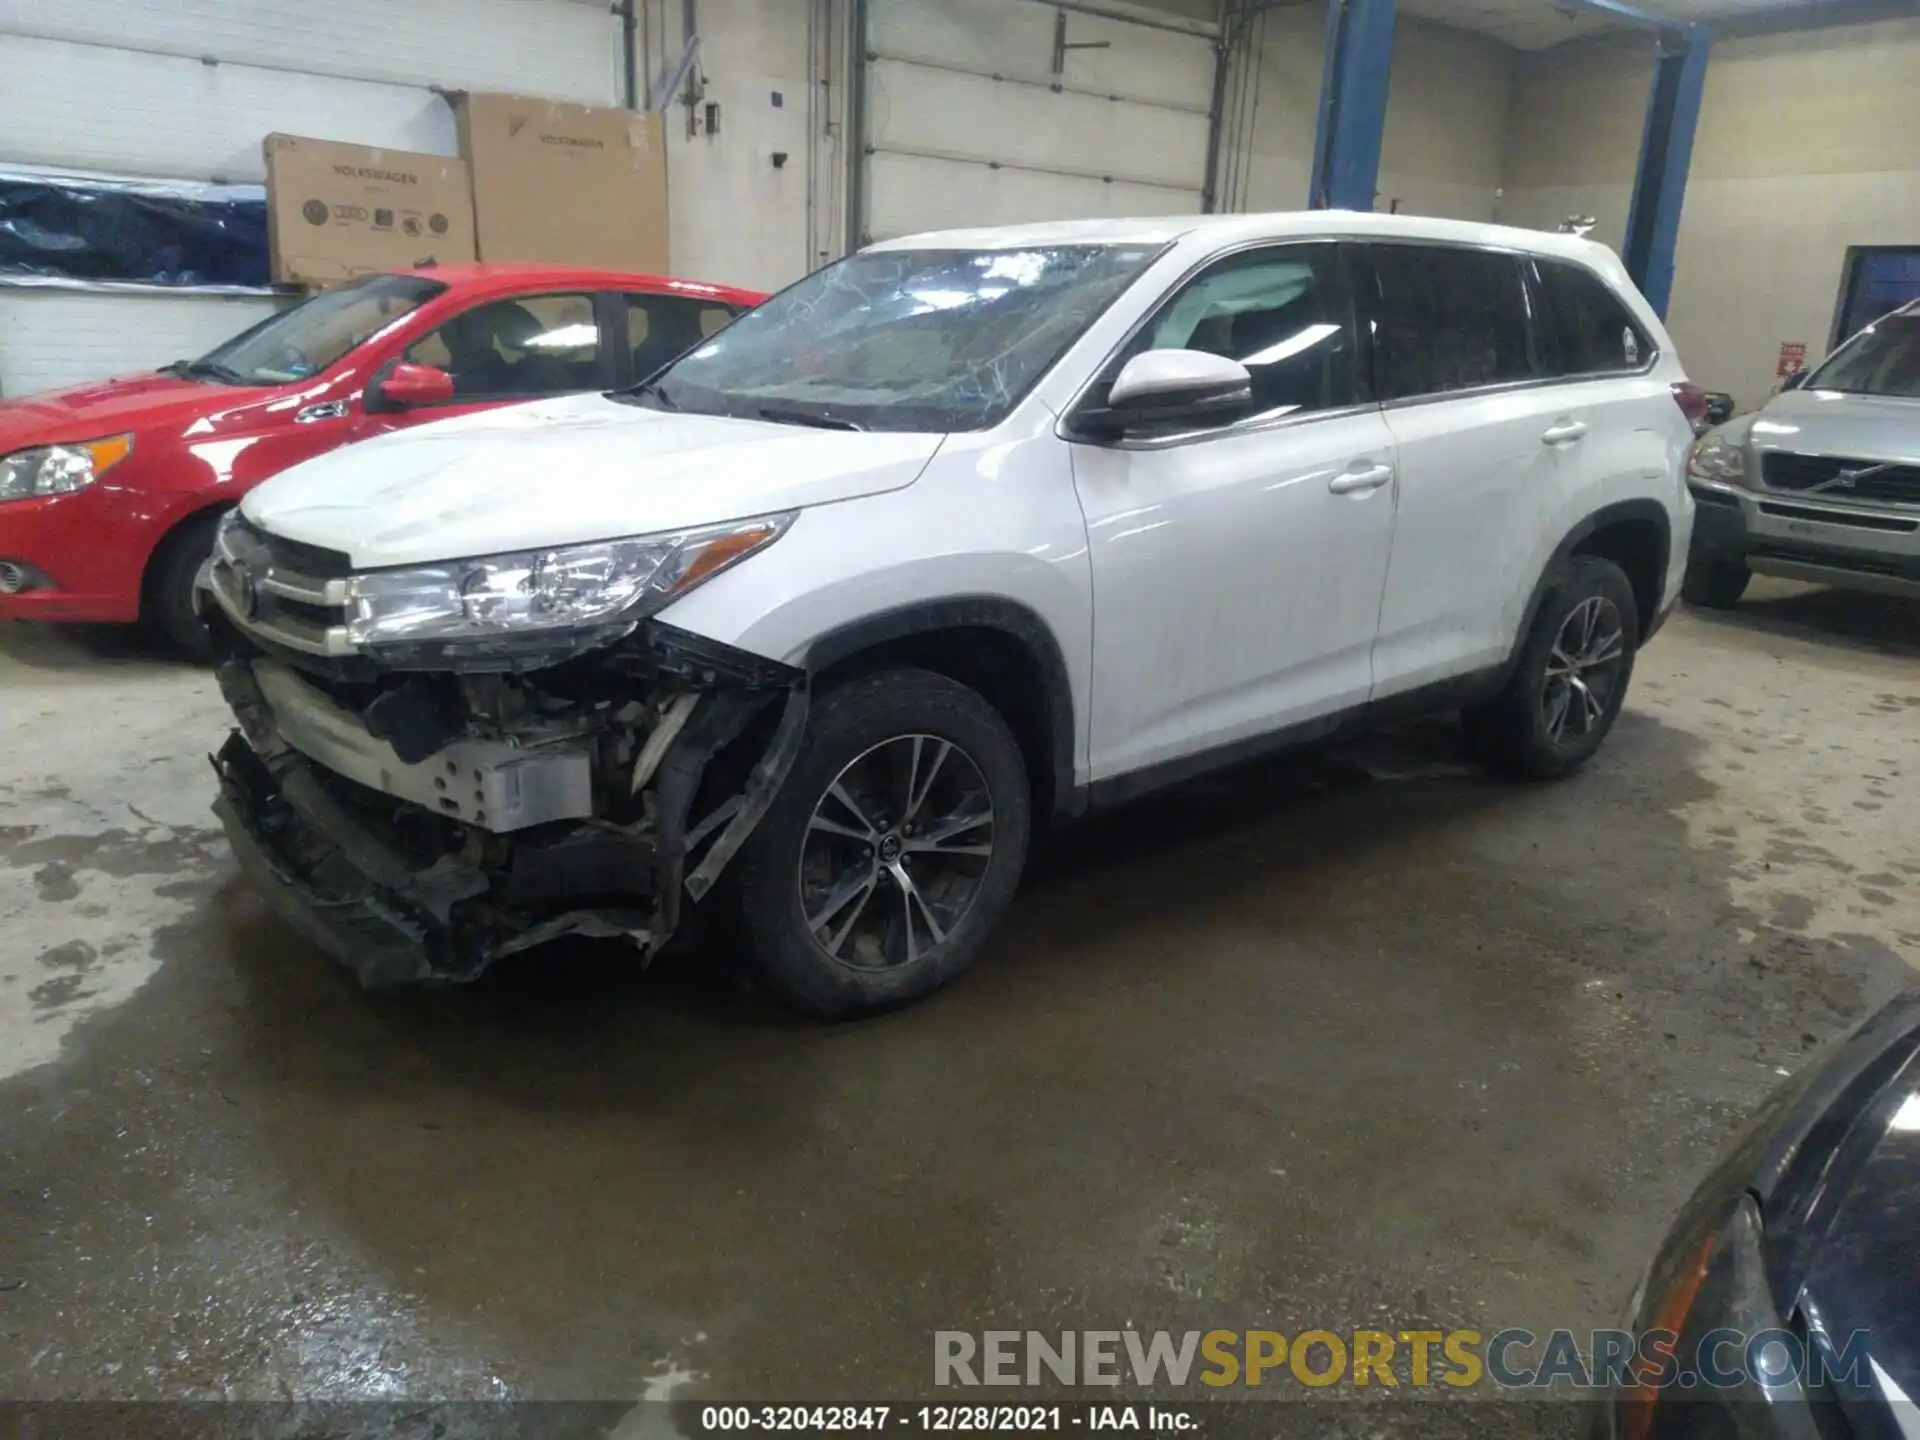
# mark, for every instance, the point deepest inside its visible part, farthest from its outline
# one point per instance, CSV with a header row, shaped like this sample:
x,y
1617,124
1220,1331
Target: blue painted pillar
x,y
1353,105
1666,151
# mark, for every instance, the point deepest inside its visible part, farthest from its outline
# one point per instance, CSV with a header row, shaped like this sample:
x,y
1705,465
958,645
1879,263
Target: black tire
x,y
1515,733
1714,582
168,604
870,722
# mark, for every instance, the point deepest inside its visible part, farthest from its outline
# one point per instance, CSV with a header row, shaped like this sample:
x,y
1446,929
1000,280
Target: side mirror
x,y
1795,380
1165,391
408,385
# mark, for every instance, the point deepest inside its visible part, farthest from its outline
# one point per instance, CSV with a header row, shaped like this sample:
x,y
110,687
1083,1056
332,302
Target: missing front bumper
x,y
337,880
354,842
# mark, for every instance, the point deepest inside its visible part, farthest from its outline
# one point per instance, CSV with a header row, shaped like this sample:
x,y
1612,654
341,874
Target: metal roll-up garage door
x,y
161,89
984,112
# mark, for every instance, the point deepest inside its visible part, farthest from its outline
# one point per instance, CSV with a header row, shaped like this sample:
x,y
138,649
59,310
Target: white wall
x,y
121,85
736,219
1448,114
1446,127
1806,146
125,87
54,338
967,128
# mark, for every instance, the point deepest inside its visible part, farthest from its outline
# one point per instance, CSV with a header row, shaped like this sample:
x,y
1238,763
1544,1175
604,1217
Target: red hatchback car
x,y
109,492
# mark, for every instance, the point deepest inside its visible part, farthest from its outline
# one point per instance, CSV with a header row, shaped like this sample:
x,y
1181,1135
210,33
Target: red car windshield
x,y
314,334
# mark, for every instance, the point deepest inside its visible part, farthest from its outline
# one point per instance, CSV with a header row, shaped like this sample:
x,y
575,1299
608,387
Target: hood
x,y
564,472
1826,422
106,407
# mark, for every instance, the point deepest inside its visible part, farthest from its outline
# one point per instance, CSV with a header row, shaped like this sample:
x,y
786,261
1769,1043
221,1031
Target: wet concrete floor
x,y
1357,1040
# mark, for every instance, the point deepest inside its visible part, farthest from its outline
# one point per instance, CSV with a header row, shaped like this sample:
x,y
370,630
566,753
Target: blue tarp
x,y
86,229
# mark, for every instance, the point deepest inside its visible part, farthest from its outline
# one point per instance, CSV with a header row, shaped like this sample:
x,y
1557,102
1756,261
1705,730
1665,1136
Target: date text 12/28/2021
x,y
944,1419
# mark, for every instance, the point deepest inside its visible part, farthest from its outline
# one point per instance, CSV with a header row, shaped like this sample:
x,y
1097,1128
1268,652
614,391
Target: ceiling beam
x,y
1625,14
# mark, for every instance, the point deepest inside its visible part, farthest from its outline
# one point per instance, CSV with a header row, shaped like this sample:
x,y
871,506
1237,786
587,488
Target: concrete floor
x,y
1339,1041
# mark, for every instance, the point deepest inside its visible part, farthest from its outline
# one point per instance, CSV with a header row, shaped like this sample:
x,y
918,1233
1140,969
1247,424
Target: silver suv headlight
x,y
541,591
1718,460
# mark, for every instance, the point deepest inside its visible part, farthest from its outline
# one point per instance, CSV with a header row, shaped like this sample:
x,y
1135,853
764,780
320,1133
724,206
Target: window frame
x,y
1549,323
1366,296
1085,403
598,300
623,347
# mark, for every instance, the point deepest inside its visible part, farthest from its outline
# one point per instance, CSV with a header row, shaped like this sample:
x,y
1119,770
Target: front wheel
x,y
169,607
1571,677
1713,582
892,850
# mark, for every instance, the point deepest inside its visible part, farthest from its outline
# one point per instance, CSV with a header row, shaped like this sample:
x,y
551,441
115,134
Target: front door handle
x,y
1360,482
1565,433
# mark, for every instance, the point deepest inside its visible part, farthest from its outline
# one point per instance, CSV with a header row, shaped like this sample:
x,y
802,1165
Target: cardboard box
x,y
584,184
336,211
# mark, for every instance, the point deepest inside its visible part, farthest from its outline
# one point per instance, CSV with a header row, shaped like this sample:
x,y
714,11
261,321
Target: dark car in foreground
x,y
1786,1298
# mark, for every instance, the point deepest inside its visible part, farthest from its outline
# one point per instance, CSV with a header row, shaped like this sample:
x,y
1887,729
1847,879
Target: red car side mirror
x,y
407,385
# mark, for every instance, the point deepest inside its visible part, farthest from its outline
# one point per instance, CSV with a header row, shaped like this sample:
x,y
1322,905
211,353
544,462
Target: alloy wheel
x,y
1583,670
895,852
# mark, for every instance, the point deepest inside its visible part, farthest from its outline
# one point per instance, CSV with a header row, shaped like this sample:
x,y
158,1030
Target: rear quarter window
x,y
1589,329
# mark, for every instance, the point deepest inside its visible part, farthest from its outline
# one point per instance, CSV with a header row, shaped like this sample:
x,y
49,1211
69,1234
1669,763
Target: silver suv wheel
x,y
895,851
1583,670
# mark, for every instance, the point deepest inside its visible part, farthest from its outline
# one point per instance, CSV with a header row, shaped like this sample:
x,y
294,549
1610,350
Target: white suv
x,y
965,534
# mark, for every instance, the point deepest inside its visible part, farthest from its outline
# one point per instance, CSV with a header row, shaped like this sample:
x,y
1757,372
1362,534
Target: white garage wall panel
x,y
183,120
53,338
125,87
948,144
568,49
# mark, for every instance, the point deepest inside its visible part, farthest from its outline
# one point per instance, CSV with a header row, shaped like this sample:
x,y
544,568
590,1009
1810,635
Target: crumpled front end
x,y
419,826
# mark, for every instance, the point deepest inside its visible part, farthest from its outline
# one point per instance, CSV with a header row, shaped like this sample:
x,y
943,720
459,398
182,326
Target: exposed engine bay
x,y
421,824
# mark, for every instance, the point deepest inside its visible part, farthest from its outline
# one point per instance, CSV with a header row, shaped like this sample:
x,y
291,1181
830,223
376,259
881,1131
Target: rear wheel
x,y
892,850
1571,678
169,607
1714,582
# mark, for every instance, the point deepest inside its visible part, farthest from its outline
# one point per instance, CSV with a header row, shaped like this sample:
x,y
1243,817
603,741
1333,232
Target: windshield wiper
x,y
209,369
805,417
648,390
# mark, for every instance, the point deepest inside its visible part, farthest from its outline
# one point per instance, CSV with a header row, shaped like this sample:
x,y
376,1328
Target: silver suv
x,y
1823,483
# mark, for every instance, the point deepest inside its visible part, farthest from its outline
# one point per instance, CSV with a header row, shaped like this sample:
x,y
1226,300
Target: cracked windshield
x,y
930,340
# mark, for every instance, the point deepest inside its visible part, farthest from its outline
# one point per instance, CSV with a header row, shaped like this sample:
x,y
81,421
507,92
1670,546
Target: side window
x,y
1282,313
664,327
1447,319
1597,333
529,345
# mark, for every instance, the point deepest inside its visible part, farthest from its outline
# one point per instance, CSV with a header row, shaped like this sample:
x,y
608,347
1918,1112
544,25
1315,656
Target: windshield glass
x,y
904,339
1883,359
312,335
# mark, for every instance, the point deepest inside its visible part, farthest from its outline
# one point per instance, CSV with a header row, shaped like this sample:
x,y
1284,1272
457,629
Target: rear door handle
x,y
1565,433
1359,482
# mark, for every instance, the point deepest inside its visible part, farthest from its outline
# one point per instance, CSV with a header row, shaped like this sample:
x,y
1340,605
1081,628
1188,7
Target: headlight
x,y
1712,1344
579,587
60,469
1717,460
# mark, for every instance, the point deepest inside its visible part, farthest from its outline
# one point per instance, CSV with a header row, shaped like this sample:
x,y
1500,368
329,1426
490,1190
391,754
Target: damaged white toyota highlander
x,y
963,535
